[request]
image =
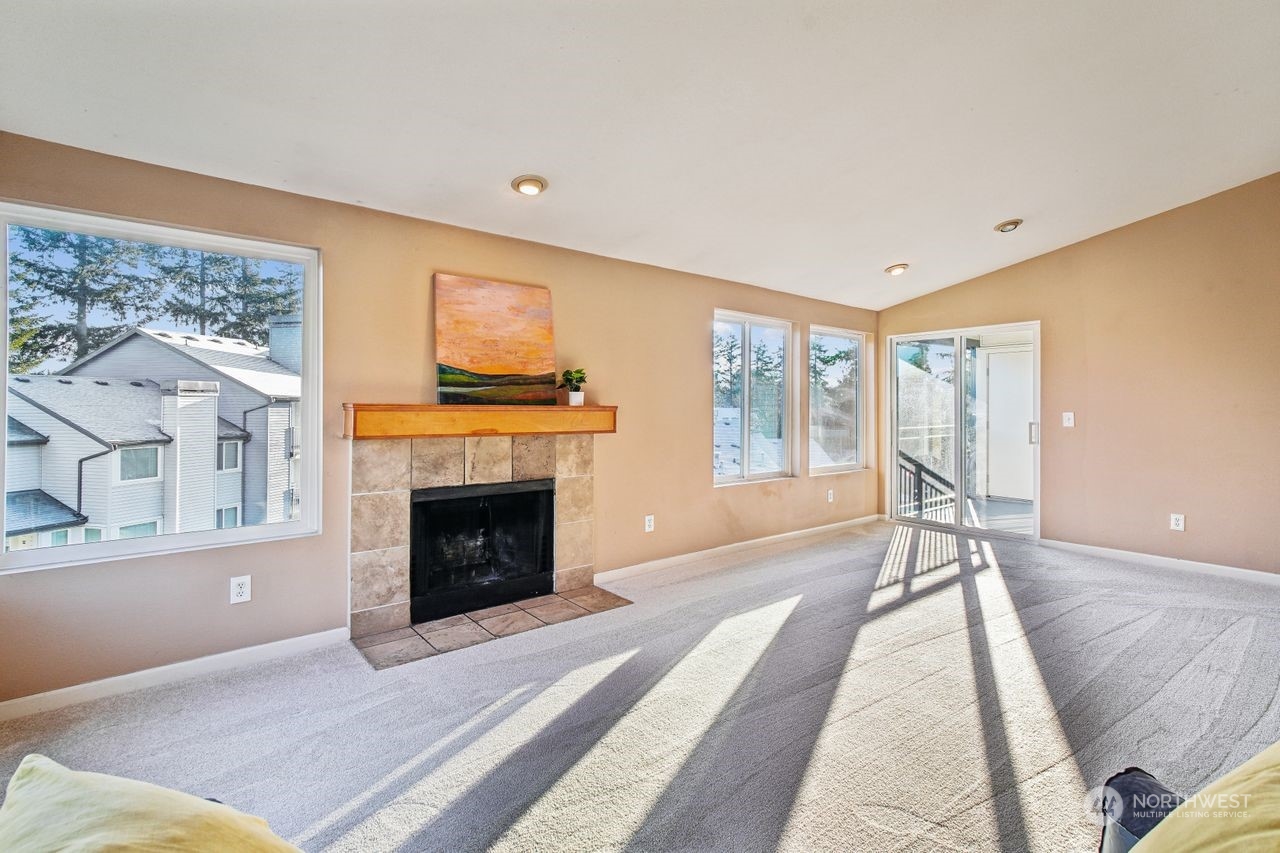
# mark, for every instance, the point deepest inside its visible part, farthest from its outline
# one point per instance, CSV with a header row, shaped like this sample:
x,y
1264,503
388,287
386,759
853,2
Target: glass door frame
x,y
959,477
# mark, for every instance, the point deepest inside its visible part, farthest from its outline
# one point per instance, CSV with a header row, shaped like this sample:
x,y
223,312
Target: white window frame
x,y
239,455
65,530
117,469
158,522
87,528
788,399
223,510
310,407
860,400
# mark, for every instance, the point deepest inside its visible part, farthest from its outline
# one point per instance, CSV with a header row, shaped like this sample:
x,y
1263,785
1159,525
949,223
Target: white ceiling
x,y
801,146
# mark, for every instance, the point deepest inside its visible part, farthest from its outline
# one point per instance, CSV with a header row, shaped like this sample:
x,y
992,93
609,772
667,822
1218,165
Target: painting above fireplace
x,y
494,342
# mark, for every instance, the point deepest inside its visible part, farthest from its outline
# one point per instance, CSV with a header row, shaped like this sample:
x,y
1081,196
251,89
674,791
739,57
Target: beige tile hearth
x,y
481,615
457,637
396,652
403,645
595,599
506,624
561,610
384,637
441,624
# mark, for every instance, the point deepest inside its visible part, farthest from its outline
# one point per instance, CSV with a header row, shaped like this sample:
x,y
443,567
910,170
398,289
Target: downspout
x,y
244,468
80,478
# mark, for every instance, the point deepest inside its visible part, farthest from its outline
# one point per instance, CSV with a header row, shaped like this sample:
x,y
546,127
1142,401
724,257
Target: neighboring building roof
x,y
20,434
32,510
112,411
235,359
227,431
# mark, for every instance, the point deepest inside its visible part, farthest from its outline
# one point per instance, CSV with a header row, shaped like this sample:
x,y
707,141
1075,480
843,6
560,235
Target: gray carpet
x,y
879,689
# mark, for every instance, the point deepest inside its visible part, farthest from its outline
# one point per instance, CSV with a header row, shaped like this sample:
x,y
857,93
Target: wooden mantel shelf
x,y
392,420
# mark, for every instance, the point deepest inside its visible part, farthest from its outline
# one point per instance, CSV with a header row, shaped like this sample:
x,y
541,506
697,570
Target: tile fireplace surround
x,y
384,472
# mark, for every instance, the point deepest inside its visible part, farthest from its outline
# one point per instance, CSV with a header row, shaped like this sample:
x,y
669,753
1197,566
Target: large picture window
x,y
150,370
750,364
835,405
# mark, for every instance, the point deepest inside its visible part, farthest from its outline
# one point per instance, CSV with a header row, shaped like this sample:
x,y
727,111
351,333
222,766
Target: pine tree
x,y
26,345
726,357
250,298
83,273
193,278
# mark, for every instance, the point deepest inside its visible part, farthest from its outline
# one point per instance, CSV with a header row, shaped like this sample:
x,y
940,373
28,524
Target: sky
x,y
63,312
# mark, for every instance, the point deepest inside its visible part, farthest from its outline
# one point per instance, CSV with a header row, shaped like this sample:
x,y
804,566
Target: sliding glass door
x,y
965,430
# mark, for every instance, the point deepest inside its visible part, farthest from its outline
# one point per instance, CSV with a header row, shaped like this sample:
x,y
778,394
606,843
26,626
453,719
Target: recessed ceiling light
x,y
529,184
896,269
1008,225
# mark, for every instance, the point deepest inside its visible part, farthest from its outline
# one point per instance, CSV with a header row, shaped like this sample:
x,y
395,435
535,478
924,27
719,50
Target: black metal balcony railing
x,y
923,492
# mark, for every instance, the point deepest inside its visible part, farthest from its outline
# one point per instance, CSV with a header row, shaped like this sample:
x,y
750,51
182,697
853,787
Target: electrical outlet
x,y
648,524
1178,522
831,496
1068,419
241,589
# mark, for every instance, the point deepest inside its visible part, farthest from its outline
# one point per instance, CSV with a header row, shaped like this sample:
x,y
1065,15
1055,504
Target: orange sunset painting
x,y
494,342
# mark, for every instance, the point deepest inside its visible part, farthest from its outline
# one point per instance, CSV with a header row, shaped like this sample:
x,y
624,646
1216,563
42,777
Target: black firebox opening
x,y
479,546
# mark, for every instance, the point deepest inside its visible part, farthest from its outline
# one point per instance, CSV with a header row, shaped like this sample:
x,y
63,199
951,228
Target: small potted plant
x,y
574,380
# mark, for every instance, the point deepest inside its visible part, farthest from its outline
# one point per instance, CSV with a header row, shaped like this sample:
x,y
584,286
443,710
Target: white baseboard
x,y
732,547
1165,562
117,684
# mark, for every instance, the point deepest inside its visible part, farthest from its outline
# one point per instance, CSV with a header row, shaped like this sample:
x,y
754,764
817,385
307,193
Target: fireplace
x,y
480,545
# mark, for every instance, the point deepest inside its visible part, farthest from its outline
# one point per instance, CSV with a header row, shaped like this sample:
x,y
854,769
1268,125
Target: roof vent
x,y
64,381
21,379
136,384
163,335
216,340
99,382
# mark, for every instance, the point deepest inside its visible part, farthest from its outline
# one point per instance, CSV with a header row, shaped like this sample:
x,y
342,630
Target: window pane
x,y
768,403
833,399
133,531
139,463
231,517
727,360
184,351
58,537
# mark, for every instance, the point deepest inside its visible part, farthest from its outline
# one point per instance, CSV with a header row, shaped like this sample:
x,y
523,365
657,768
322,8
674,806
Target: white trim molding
x,y
732,548
180,671
1234,572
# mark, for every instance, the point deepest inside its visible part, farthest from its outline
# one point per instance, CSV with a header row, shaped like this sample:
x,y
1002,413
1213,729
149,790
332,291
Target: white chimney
x,y
284,341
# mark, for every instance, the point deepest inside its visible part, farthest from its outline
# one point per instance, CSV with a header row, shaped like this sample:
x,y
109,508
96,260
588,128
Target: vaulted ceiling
x,y
801,146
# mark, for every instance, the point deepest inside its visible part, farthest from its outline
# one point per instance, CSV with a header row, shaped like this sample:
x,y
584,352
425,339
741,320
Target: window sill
x,y
751,481
838,469
112,550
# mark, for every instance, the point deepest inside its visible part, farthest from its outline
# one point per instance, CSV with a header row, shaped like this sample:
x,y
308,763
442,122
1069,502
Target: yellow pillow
x,y
1239,813
50,808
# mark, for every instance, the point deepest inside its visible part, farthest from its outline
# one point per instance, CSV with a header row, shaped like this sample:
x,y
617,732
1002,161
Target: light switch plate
x,y
1068,419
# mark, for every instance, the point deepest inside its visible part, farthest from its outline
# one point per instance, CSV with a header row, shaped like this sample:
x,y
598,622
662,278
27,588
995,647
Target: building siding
x,y
22,468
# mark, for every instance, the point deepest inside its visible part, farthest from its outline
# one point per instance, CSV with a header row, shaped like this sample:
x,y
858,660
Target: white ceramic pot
x,y
576,398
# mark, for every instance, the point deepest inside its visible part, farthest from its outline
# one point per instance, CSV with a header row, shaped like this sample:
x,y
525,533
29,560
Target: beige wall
x,y
1164,338
640,331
